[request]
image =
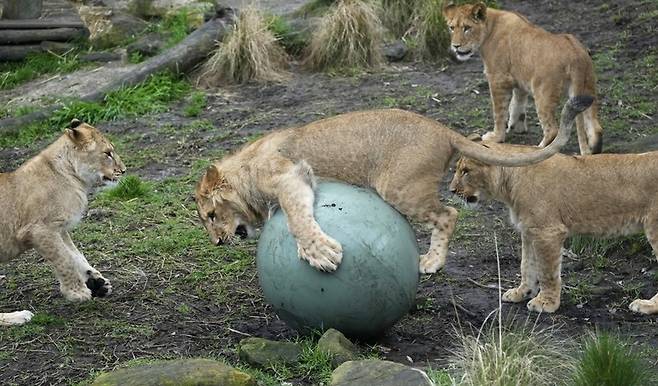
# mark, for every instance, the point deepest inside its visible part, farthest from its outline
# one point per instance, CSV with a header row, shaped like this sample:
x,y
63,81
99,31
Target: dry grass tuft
x,y
249,52
514,355
398,16
350,35
432,33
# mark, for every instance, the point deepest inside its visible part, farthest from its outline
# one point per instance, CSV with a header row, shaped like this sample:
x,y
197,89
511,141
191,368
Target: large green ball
x,y
374,286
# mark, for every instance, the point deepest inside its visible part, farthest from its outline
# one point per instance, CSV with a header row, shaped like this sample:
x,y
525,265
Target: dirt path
x,y
141,320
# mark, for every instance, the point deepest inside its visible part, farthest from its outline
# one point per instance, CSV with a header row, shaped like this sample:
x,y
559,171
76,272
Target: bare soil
x,y
464,292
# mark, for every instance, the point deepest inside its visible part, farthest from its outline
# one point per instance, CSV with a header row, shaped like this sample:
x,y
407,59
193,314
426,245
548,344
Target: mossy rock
x,y
335,344
262,352
181,372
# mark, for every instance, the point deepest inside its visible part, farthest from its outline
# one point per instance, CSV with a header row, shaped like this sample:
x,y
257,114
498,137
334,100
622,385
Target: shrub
x,y
249,52
608,361
348,36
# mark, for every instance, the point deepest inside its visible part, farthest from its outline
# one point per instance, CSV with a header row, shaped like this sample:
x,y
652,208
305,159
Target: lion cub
x,y
602,195
399,154
46,197
522,59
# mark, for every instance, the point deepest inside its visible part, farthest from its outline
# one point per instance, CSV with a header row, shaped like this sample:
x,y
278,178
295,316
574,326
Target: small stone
x,y
334,343
262,352
183,372
376,372
396,51
147,45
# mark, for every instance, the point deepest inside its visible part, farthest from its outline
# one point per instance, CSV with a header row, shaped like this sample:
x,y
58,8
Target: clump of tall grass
x,y
128,188
512,355
398,15
249,52
350,35
607,360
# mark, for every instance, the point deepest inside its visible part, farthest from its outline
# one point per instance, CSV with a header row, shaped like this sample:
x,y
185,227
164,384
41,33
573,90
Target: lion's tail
x,y
571,109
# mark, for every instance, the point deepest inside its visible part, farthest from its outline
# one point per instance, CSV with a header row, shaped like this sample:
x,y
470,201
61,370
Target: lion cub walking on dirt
x,y
401,155
601,195
46,197
522,59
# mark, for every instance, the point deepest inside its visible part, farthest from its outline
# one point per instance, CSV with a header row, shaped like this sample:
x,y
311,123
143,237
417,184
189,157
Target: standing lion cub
x,y
522,59
401,155
43,199
601,195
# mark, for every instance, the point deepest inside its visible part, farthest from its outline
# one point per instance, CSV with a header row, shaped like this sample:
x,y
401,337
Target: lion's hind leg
x,y
648,306
15,318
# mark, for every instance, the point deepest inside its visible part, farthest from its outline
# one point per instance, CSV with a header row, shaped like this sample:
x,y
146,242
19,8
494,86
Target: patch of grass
x,y
521,355
292,41
441,377
42,319
398,16
129,187
153,95
315,8
580,292
433,38
14,74
249,52
607,360
602,247
195,105
176,26
350,35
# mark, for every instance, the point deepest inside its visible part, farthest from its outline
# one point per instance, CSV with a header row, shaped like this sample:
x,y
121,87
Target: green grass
x,y
129,188
195,105
153,95
293,41
13,74
607,360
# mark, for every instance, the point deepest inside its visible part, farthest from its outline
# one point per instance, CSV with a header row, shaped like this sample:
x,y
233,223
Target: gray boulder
x,y
181,372
376,372
262,352
334,343
396,51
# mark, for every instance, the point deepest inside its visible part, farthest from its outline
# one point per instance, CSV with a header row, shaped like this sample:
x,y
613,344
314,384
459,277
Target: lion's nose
x,y
456,46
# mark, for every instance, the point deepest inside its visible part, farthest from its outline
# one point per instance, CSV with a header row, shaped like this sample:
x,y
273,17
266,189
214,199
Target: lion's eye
x,y
108,153
465,172
211,216
451,28
467,28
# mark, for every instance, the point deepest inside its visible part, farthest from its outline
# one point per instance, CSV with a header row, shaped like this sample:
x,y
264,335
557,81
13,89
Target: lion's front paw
x,y
543,304
430,263
517,294
322,253
493,137
16,318
98,285
644,306
80,294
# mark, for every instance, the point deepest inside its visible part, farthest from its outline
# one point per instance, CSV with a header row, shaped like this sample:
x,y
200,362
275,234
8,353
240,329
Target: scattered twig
x,y
488,286
238,332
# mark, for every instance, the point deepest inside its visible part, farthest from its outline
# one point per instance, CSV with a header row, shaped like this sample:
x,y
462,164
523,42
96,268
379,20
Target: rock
x,y
108,28
183,372
395,51
376,372
148,45
262,352
334,343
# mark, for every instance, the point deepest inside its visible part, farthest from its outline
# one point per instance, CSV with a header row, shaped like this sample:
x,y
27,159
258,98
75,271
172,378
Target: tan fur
x,y
601,195
46,197
521,59
399,154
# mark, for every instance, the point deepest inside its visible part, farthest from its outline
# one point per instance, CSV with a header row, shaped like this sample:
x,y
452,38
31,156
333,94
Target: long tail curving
x,y
571,109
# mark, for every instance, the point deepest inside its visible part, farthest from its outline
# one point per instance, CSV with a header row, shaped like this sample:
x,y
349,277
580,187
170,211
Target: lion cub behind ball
x,y
601,195
45,198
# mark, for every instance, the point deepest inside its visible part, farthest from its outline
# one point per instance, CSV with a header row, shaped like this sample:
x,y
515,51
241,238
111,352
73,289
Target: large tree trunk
x,y
16,53
179,59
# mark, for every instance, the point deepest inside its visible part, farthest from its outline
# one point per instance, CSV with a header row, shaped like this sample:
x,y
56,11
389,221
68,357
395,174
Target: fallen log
x,y
16,53
21,36
178,59
41,24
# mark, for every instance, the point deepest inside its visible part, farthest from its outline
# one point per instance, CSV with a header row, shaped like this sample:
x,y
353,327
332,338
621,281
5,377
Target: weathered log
x,y
179,59
41,24
22,36
22,9
16,53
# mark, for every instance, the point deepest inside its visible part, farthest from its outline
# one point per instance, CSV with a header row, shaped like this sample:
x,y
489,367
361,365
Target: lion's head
x,y
469,182
93,155
222,209
467,25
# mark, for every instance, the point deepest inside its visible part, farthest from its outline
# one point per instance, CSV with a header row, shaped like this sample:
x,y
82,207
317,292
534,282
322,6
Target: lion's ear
x,y
214,179
448,6
479,11
75,132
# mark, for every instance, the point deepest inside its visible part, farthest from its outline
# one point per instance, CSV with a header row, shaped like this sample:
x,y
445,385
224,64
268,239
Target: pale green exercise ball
x,y
374,286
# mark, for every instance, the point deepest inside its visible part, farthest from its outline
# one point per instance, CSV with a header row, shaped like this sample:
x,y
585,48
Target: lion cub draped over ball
x,y
46,197
601,195
521,59
399,154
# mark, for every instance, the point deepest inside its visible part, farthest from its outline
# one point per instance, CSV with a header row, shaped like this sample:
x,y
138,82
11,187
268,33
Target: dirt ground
x,y
597,291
